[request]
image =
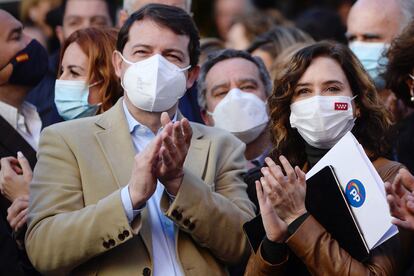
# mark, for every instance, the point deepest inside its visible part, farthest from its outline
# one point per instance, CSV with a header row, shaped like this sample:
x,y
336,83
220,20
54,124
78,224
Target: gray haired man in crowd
x,y
233,87
371,27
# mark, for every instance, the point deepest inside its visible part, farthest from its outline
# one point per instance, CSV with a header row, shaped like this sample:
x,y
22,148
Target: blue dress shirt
x,y
165,261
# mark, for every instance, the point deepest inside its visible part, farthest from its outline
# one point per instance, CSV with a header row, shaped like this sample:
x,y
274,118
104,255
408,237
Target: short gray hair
x,y
226,54
407,11
129,6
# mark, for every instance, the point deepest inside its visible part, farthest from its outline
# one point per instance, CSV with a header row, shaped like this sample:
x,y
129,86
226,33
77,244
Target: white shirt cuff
x,y
127,203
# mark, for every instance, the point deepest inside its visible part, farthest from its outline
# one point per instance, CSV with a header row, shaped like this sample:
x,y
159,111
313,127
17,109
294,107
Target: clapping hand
x,y
15,176
276,229
176,140
286,193
400,197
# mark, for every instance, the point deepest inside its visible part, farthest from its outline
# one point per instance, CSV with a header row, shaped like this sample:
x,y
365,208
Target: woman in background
x,y
87,85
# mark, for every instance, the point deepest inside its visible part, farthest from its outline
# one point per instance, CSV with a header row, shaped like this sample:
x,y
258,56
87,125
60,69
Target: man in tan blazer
x,y
174,208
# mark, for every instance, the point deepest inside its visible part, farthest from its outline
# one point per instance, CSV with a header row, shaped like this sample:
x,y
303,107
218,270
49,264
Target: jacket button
x,y
191,226
174,213
126,233
146,272
177,214
186,222
121,237
111,242
180,216
106,244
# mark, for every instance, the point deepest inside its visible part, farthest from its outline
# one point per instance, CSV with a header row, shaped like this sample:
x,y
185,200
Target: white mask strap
x,y
124,59
353,98
95,83
185,69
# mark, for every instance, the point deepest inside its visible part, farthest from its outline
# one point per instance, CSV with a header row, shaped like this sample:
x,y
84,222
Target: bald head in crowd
x,y
372,25
378,20
130,6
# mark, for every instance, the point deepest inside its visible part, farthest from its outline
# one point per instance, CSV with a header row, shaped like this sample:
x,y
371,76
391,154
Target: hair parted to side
x,y
98,45
173,18
371,127
128,5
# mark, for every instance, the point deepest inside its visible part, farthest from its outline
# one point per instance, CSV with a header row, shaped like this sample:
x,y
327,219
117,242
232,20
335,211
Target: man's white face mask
x,y
154,84
241,113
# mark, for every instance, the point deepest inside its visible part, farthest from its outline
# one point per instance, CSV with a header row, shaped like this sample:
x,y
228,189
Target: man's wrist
x,y
136,200
173,186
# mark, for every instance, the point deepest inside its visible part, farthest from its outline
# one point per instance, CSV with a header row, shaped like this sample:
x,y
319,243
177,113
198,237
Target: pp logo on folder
x,y
355,193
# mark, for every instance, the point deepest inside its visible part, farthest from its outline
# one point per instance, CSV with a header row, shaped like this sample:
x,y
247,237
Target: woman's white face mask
x,y
323,120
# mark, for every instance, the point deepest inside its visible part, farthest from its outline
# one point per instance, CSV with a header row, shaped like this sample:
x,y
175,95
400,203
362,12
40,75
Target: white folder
x,y
350,162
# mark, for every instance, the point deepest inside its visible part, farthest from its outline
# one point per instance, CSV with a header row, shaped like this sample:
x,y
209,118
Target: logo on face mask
x,y
355,193
22,58
30,65
322,120
341,106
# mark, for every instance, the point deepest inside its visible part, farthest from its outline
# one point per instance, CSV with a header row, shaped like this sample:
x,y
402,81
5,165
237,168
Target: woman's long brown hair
x,y
371,126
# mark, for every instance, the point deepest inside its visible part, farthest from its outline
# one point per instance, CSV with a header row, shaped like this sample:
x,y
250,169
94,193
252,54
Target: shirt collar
x,y
12,115
132,123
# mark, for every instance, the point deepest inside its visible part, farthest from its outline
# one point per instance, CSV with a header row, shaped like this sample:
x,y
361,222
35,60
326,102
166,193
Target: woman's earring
x,y
412,93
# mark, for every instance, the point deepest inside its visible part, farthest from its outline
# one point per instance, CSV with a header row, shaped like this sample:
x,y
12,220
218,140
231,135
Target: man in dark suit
x,y
23,63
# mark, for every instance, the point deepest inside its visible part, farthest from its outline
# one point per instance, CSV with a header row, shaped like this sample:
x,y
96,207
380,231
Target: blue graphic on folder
x,y
355,193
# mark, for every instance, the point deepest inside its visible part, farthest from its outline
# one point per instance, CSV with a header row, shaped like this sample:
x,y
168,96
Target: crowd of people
x,y
132,143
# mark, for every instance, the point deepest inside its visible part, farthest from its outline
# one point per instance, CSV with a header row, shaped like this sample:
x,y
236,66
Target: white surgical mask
x,y
241,113
322,120
71,99
370,54
154,84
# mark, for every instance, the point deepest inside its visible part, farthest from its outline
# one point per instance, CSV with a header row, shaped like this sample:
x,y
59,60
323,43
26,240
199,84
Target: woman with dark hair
x,y
399,78
87,83
304,125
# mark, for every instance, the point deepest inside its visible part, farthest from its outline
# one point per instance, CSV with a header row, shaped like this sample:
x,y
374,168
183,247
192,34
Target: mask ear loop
x,y
127,62
185,68
123,58
357,114
95,83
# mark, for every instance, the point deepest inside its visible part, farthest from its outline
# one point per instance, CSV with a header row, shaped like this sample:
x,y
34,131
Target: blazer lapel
x,y
197,154
116,144
14,142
